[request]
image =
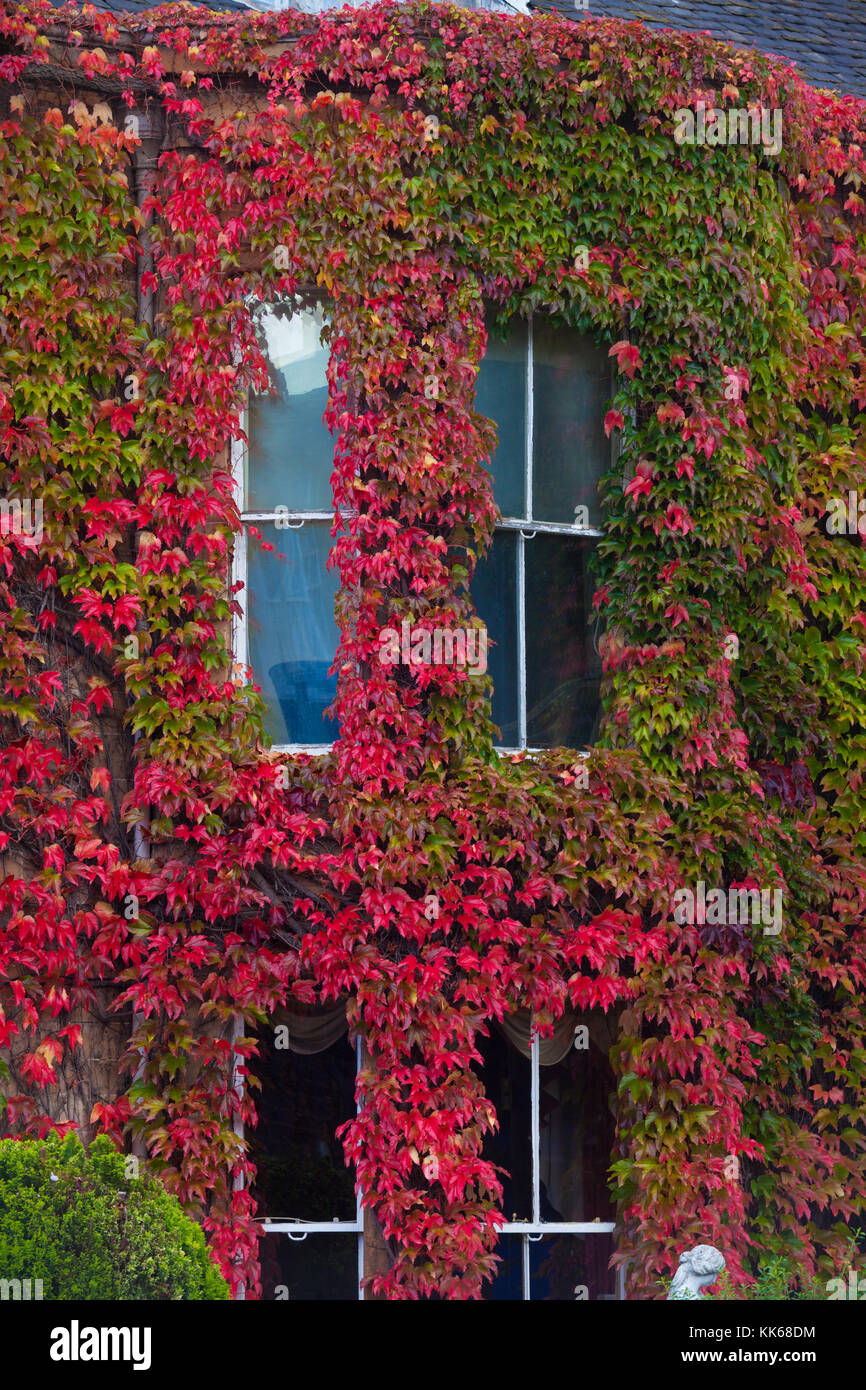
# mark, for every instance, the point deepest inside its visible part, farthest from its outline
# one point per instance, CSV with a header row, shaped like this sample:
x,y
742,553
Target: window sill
x,y
555,1228
287,1227
289,750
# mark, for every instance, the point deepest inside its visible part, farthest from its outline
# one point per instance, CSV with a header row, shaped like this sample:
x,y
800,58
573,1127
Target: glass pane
x,y
494,593
571,390
563,672
506,1077
301,1166
507,1284
563,1269
576,1137
321,1267
292,634
291,454
500,394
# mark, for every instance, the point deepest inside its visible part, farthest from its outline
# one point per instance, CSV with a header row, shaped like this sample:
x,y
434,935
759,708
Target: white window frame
x,y
296,1228
525,527
294,521
534,1229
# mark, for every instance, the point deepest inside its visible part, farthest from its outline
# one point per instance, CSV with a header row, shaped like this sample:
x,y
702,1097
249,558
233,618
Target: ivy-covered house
x,y
433,616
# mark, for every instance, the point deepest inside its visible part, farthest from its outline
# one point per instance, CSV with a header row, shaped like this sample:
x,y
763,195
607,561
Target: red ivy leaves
x,y
255,890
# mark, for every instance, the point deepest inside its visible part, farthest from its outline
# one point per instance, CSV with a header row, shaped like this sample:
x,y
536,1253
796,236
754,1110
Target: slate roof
x,y
826,38
137,6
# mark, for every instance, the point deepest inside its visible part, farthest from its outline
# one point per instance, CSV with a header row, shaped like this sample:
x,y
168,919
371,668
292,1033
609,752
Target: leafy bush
x,y
73,1219
778,1281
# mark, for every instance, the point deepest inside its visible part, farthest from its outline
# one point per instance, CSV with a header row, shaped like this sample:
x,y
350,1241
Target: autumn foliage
x,y
729,288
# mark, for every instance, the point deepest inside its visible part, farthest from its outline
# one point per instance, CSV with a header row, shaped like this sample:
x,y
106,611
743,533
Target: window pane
x,y
322,1267
500,394
576,1137
571,388
507,1283
563,671
291,454
301,1166
506,1076
293,636
494,592
558,1265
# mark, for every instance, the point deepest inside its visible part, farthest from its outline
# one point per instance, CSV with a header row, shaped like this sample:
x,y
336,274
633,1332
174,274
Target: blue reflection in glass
x,y
500,394
291,453
292,632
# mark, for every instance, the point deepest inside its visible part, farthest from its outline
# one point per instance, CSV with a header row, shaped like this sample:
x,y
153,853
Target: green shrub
x,y
778,1280
73,1219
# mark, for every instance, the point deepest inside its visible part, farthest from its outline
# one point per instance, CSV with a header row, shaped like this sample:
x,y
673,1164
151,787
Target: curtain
x,y
602,1033
312,1030
575,1122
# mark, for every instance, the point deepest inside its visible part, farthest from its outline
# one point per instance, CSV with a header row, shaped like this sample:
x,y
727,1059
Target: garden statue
x,y
697,1267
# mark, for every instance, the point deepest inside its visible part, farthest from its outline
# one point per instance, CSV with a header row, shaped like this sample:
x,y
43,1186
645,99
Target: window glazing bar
x,y
359,1209
536,1124
292,517
530,413
238,463
556,528
289,749
556,1228
521,639
239,560
316,749
287,1228
238,1124
238,1088
521,547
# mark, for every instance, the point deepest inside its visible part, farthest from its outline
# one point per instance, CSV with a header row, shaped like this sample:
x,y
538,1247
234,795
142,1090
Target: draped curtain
x,y
516,1028
313,1030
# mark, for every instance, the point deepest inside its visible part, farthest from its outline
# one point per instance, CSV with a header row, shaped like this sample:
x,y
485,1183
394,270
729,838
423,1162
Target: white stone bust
x,y
697,1268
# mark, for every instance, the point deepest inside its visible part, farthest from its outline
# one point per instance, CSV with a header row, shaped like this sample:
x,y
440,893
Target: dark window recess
x,y
564,1267
507,1286
577,1134
575,1142
563,669
320,1267
572,385
506,1075
494,591
301,1166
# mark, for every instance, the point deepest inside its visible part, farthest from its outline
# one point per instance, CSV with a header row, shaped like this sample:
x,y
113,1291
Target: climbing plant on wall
x,y
414,164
